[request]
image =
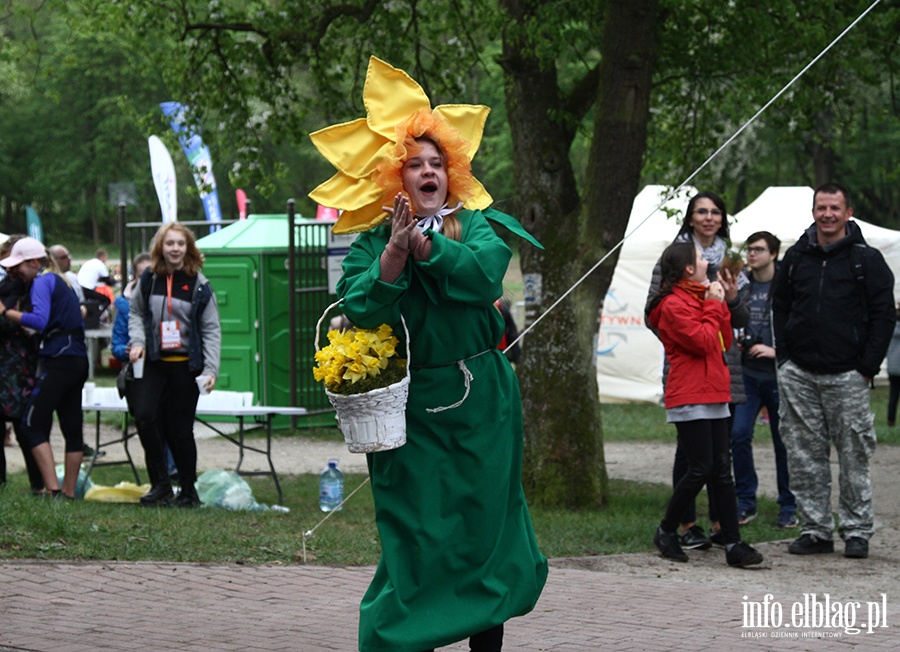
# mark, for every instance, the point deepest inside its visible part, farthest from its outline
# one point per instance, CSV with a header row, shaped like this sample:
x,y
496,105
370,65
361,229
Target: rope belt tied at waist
x,y
467,377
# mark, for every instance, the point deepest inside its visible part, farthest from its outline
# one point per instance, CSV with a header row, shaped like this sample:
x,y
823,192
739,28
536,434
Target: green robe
x,y
459,554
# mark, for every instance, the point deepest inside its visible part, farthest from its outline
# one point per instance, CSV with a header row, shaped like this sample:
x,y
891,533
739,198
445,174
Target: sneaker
x,y
667,544
694,539
856,548
810,544
741,555
787,520
717,539
746,515
87,451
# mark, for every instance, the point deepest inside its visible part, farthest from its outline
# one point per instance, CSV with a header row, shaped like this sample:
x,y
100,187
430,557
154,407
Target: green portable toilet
x,y
247,266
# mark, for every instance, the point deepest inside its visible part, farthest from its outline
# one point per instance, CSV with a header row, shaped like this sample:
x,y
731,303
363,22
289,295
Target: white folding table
x,y
211,406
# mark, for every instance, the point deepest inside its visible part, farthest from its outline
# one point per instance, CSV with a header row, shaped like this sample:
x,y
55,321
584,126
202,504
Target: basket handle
x,y
337,304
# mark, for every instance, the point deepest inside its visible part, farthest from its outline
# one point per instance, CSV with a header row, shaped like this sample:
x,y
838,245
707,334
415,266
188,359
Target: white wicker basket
x,y
375,420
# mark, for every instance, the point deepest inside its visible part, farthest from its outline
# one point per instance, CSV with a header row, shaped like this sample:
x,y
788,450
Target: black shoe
x,y
667,544
158,496
742,555
187,499
856,548
694,539
717,539
810,544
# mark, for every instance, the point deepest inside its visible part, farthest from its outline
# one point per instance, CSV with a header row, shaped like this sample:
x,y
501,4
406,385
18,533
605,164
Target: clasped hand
x,y
404,234
715,291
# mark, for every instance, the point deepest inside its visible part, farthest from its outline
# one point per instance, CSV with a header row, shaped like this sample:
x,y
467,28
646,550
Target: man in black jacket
x,y
833,313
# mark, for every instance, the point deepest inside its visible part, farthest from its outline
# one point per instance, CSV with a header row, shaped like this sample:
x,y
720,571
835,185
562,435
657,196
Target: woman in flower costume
x,y
459,556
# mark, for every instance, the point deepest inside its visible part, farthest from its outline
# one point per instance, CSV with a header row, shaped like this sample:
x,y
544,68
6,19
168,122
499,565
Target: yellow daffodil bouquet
x,y
358,360
367,383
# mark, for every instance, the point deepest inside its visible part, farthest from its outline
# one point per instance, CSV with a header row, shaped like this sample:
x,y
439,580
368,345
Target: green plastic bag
x,y
81,485
227,489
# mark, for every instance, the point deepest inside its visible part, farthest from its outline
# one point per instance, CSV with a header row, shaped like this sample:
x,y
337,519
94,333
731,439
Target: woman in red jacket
x,y
693,323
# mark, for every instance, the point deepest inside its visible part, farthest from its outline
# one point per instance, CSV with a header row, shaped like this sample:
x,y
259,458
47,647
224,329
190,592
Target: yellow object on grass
x,y
124,492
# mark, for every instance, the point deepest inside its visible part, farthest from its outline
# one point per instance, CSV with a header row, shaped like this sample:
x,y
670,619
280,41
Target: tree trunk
x,y
620,131
91,201
819,145
618,143
564,463
8,214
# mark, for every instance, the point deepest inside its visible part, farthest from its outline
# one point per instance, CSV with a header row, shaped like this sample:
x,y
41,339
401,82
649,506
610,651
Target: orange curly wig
x,y
425,123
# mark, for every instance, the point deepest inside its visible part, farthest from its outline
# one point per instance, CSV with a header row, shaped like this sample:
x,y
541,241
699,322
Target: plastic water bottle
x,y
331,487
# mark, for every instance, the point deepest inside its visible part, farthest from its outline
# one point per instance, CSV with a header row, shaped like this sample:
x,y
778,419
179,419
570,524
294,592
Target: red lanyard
x,y
169,293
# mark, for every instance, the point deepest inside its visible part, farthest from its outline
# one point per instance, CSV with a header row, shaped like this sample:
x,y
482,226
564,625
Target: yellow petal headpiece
x,y
369,152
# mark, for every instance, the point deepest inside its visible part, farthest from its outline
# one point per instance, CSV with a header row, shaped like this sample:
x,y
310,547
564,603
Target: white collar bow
x,y
436,221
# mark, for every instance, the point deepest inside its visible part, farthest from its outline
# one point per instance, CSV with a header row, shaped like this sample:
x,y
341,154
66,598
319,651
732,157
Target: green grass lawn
x,y
40,528
623,422
78,530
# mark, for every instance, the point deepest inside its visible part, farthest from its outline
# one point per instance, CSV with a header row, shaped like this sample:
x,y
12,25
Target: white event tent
x,y
629,356
787,213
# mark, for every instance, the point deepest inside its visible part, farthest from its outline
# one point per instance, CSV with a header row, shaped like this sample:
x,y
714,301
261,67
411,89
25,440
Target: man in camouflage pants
x,y
833,313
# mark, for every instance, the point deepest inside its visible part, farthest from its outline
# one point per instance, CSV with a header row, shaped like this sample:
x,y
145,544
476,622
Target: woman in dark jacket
x,y
18,368
706,226
56,314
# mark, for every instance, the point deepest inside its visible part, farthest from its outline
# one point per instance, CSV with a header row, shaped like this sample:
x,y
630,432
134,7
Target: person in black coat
x,y
833,313
18,368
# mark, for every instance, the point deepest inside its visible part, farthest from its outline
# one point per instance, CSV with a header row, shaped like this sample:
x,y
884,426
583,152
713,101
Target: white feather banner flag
x,y
163,171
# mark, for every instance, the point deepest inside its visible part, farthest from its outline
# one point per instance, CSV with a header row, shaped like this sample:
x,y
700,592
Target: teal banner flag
x,y
33,222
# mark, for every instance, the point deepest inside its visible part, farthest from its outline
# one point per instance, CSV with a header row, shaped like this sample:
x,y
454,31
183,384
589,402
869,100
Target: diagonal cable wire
x,y
309,533
674,192
668,197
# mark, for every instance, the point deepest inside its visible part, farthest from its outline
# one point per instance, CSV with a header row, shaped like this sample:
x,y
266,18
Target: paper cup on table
x,y
87,394
201,385
137,368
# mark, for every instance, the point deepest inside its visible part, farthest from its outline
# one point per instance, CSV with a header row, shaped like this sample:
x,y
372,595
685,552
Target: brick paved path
x,y
89,607
137,607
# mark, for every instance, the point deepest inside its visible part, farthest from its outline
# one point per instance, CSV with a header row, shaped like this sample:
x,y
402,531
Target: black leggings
x,y
163,403
707,447
680,467
893,397
490,640
34,473
58,388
